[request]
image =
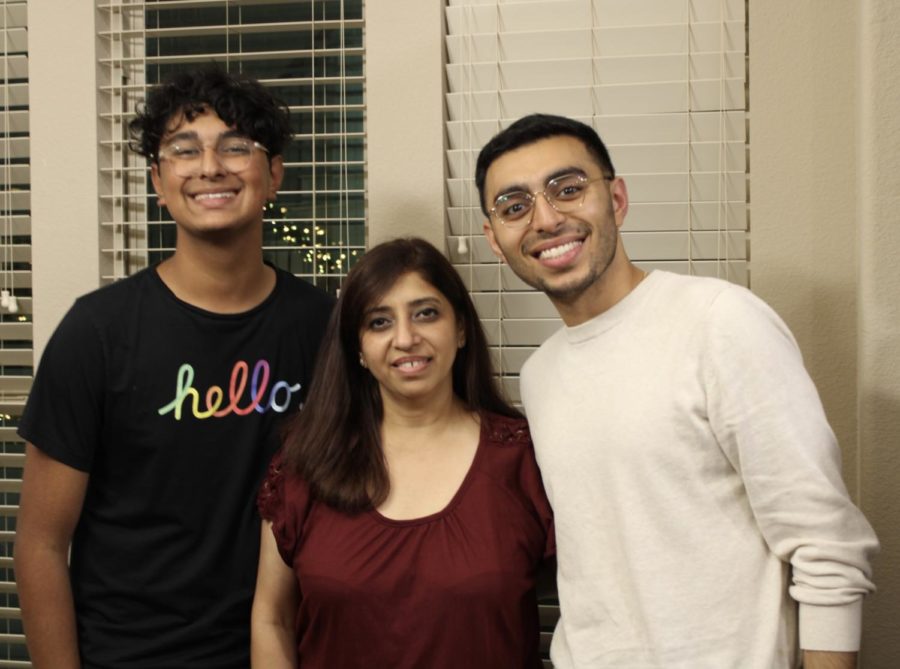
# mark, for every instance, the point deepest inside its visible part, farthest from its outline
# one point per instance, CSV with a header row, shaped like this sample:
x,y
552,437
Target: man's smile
x,y
558,251
214,199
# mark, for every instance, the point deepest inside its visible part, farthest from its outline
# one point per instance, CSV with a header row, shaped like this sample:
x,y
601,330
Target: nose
x,y
544,216
210,163
405,334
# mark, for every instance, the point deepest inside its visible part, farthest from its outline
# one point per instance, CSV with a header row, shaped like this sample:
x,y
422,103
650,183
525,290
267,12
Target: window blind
x,y
16,366
311,54
662,81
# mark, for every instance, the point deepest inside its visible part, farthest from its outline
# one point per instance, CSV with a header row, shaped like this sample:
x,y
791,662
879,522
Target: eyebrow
x,y
523,188
192,135
418,302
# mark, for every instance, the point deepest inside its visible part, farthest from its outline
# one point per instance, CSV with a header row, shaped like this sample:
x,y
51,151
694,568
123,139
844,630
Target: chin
x,y
223,228
565,291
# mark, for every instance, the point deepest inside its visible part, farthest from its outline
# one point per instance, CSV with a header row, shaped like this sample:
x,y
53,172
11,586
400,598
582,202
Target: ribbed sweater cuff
x,y
834,628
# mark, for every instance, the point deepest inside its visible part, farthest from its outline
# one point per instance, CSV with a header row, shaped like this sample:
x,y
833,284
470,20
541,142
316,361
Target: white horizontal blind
x,y
663,82
16,366
310,53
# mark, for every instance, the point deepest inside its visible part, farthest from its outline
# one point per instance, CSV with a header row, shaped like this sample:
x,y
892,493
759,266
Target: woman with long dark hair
x,y
404,520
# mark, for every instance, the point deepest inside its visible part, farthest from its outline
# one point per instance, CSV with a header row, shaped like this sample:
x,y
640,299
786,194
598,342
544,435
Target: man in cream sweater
x,y
701,518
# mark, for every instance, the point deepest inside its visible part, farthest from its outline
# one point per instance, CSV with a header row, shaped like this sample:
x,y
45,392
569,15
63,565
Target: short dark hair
x,y
241,102
334,443
530,129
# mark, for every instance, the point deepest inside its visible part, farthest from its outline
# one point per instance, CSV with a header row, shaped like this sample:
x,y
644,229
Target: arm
x,y
768,418
51,501
823,659
273,644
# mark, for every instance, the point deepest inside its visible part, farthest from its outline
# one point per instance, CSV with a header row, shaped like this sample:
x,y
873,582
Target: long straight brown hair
x,y
334,443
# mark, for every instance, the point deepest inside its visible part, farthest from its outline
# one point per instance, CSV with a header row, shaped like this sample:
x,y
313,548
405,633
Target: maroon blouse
x,y
453,589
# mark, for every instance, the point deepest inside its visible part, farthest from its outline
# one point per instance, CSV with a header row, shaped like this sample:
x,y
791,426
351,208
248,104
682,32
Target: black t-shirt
x,y
173,411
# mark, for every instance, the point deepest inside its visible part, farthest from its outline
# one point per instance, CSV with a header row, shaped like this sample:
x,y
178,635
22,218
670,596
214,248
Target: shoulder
x,y
281,489
95,321
271,491
284,501
720,321
714,306
301,306
116,294
505,430
737,314
301,309
683,291
104,307
701,292
506,462
297,289
735,301
505,449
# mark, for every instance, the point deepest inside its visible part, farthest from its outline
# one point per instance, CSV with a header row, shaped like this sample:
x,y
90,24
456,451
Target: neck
x,y
221,279
614,285
421,418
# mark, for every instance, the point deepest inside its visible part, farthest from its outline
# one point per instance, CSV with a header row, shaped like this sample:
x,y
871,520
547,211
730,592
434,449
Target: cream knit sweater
x,y
696,487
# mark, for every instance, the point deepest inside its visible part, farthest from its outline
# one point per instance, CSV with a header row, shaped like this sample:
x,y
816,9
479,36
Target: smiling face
x,y
215,200
408,341
570,256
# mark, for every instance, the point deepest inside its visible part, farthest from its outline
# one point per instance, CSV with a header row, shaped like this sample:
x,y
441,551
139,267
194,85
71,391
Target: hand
x,y
824,659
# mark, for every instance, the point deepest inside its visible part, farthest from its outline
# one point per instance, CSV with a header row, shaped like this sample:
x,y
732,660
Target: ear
x,y
619,196
157,183
495,247
276,176
461,335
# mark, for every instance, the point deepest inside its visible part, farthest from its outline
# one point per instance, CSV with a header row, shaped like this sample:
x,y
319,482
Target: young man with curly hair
x,y
154,410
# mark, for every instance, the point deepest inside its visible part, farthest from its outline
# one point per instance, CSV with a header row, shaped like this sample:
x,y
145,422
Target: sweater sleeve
x,y
769,421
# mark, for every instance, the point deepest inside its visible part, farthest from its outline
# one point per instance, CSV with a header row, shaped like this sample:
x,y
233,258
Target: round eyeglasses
x,y
564,193
186,156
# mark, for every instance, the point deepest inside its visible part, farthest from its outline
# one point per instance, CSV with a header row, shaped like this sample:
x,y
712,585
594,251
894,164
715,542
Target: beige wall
x,y
64,195
404,123
825,238
878,318
802,170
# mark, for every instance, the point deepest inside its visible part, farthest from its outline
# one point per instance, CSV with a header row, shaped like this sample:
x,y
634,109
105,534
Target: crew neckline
x,y
157,280
617,313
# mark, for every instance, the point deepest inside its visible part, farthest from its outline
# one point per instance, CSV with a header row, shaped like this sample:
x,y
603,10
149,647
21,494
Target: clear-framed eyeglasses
x,y
186,155
564,193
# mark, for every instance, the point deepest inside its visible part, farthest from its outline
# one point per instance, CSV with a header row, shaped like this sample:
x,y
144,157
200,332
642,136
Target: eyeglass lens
x,y
565,193
186,157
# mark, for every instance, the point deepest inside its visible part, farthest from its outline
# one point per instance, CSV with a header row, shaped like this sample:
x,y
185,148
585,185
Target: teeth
x,y
410,364
214,196
557,251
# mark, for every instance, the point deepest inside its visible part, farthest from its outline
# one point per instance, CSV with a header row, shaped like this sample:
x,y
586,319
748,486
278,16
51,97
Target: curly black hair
x,y
241,102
